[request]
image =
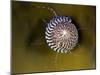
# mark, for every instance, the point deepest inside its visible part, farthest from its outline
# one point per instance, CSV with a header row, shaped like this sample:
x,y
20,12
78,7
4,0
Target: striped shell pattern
x,y
61,34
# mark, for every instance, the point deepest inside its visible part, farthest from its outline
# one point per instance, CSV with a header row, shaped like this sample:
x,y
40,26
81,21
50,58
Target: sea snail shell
x,y
61,34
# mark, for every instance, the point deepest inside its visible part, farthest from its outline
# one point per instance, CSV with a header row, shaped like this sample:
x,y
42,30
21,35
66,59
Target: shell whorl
x,y
61,34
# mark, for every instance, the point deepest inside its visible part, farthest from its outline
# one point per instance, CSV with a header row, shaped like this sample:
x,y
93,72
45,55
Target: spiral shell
x,y
61,34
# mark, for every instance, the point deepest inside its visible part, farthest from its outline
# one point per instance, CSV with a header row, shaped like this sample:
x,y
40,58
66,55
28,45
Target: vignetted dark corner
x,y
30,51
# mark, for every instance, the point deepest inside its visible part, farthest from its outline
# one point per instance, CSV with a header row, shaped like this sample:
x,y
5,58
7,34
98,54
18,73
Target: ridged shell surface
x,y
61,34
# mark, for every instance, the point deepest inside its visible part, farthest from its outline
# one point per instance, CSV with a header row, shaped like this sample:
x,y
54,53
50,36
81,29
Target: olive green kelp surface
x,y
30,52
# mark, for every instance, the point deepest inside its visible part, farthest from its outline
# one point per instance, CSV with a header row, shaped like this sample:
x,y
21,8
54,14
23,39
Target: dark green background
x,y
30,52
